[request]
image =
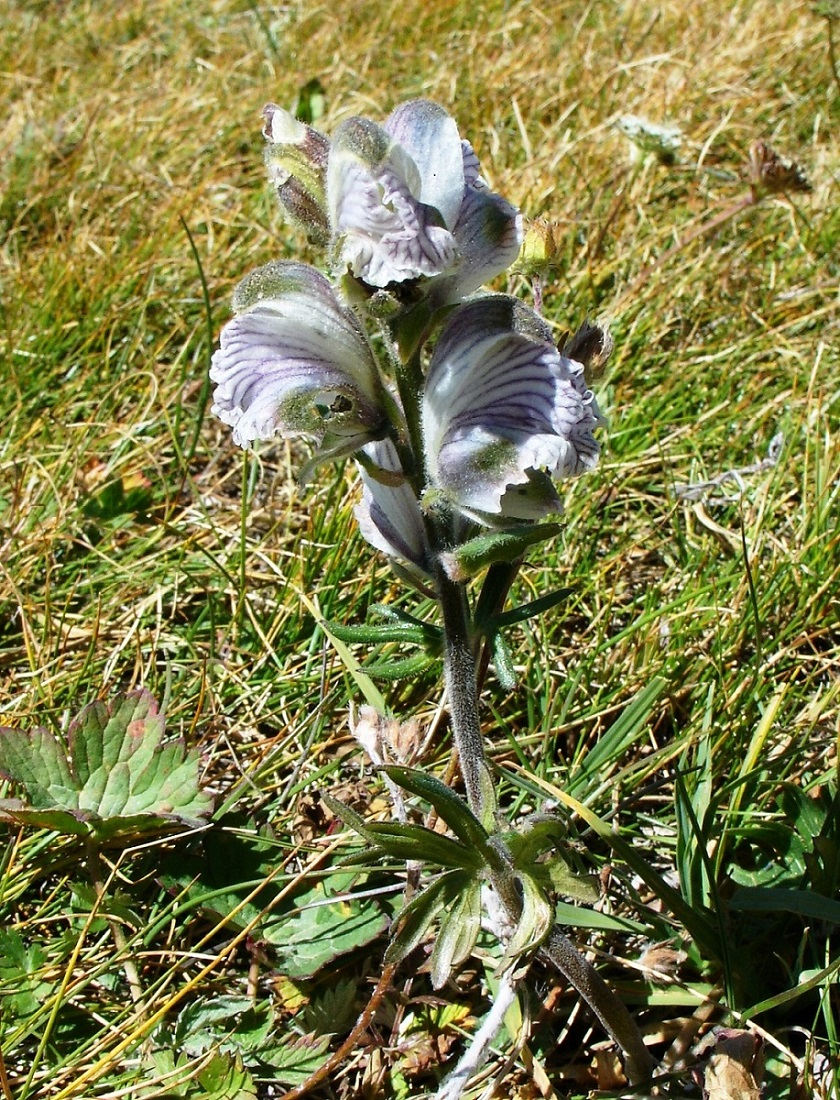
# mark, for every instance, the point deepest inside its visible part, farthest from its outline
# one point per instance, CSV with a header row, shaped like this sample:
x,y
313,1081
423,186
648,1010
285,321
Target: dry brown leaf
x,y
735,1068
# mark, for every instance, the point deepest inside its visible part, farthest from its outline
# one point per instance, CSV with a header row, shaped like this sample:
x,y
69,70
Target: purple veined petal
x,y
389,515
488,233
500,406
294,361
383,233
430,137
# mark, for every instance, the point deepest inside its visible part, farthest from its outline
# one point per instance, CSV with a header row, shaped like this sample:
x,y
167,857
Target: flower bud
x,y
296,158
591,345
539,248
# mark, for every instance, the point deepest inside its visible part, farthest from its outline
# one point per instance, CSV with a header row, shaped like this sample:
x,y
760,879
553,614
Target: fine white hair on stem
x,y
478,1051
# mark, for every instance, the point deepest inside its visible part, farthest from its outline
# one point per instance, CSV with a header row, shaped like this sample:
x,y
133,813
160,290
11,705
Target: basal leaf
x,y
124,768
225,1078
115,777
294,1059
37,762
320,930
70,823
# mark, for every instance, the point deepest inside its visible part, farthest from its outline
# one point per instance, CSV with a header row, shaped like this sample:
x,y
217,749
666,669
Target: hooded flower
x,y
406,202
389,515
295,361
504,413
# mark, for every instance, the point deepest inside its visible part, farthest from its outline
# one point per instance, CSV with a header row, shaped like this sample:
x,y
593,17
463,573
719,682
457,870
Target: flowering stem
x,y
610,1010
462,689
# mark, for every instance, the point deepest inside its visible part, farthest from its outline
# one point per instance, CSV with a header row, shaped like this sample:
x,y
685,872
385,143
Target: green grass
x,y
139,547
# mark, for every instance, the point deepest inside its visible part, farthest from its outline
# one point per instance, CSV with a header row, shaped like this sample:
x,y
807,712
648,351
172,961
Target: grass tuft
x,y
685,697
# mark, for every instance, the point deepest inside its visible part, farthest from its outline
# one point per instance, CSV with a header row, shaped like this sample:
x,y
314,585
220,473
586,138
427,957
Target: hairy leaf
x,y
449,806
458,932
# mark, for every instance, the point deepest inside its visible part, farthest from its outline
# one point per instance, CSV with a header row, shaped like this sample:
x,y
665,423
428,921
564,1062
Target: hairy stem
x,y
461,683
462,690
610,1009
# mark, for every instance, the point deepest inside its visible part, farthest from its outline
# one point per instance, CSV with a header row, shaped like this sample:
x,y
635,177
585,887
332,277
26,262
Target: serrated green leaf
x,y
294,1059
449,806
321,930
22,991
37,762
230,1023
60,821
333,1010
164,1066
225,1078
116,776
458,932
123,766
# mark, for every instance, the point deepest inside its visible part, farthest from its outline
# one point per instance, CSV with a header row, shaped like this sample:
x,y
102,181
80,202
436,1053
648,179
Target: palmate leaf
x,y
401,841
116,777
417,916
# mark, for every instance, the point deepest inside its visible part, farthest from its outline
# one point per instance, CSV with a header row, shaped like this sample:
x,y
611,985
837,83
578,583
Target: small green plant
x,y
111,780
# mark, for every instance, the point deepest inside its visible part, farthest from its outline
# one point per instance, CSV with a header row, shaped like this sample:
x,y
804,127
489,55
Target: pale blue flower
x,y
389,515
295,362
406,202
504,413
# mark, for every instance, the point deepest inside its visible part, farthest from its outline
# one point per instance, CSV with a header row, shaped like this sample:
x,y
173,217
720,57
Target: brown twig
x,y
350,1042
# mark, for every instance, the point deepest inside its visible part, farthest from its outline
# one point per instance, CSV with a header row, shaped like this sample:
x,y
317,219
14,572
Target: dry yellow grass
x,y
122,124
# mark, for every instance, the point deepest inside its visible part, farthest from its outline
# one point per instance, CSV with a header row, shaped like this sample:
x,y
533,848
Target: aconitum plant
x,y
462,415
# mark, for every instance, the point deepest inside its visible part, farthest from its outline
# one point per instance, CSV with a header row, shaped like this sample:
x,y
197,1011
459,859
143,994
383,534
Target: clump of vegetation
x,y
663,740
